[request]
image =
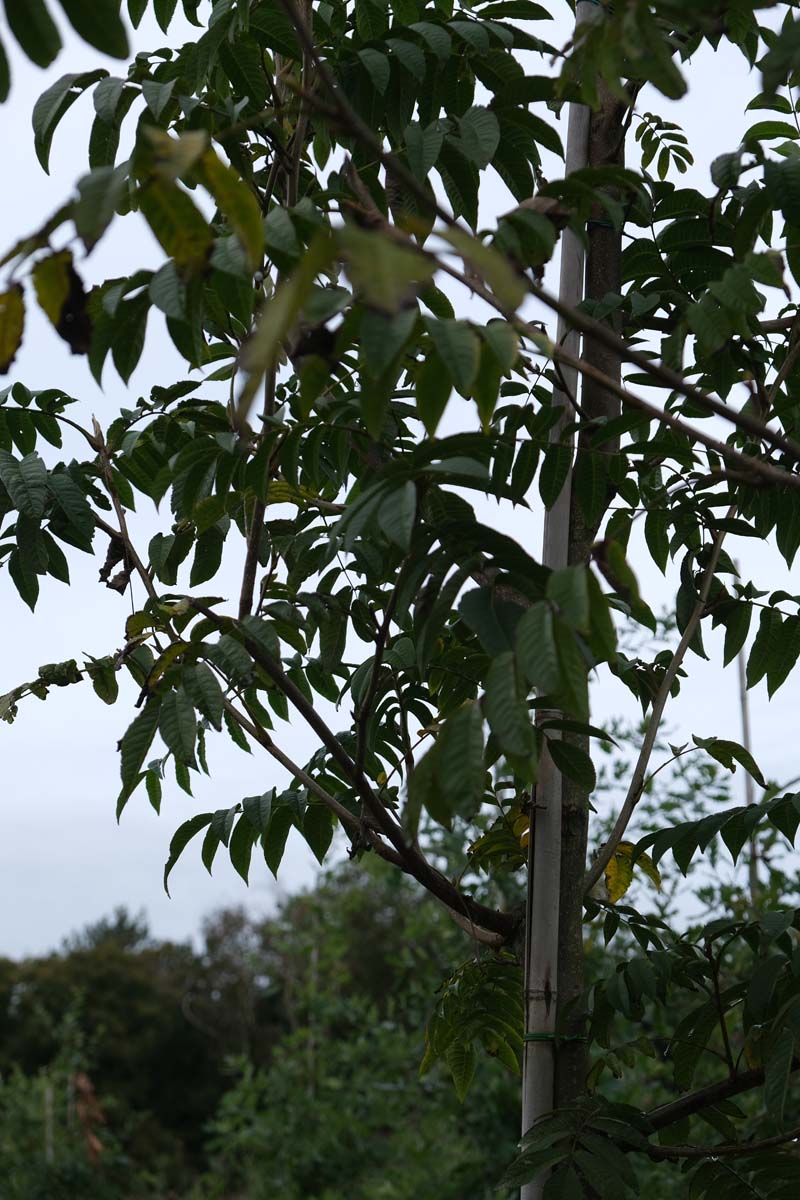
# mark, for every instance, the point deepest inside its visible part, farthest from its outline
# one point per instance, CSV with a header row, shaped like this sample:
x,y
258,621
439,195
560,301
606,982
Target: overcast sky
x,y
63,859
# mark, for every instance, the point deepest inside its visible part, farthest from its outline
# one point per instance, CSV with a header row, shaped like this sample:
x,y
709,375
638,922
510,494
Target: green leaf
x,y
202,687
727,753
99,195
240,846
153,786
537,653
554,472
461,774
506,713
480,135
397,513
178,726
12,323
737,626
104,679
258,810
766,647
98,22
274,840
573,762
136,10
164,10
134,746
780,667
34,29
568,589
573,668
180,840
207,555
423,145
74,505
318,824
211,843
177,224
777,1069
461,1059
278,316
458,348
372,19
236,202
53,104
25,480
433,388
386,275
378,68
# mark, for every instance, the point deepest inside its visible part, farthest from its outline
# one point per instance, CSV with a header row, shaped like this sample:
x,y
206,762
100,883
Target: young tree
x,y
344,149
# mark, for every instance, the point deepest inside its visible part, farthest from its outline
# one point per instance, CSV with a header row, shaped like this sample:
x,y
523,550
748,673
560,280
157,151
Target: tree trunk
x,y
606,146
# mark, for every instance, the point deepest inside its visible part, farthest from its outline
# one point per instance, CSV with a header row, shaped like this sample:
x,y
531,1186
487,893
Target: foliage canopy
x,y
367,456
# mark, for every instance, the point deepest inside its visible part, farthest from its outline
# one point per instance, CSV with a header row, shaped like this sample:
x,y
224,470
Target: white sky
x,y
63,859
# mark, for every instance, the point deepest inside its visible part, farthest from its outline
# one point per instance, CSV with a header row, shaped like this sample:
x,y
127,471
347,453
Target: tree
x,y
343,150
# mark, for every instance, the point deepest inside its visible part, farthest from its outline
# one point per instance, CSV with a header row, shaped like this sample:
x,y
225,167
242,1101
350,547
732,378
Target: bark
x,y
606,146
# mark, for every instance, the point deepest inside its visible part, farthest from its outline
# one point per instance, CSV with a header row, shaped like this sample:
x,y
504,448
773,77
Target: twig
x,y
790,361
130,551
353,824
706,1097
527,329
723,1025
637,782
362,720
412,861
725,1149
352,121
577,319
257,517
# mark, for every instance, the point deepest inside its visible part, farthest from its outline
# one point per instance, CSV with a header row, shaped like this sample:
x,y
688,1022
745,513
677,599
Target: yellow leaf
x,y
509,287
172,158
51,279
645,863
12,322
619,873
236,202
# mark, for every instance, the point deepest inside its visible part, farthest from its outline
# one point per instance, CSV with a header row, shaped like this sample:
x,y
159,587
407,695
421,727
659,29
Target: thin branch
x,y
410,859
130,550
531,330
352,121
260,735
723,1024
706,1097
725,1149
362,720
790,361
637,782
601,332
353,824
257,518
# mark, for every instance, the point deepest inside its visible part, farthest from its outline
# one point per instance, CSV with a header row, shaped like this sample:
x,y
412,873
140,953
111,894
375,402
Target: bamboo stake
x,y
544,854
749,790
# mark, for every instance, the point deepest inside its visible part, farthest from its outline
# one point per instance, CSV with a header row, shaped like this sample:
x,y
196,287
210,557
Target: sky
x,y
64,861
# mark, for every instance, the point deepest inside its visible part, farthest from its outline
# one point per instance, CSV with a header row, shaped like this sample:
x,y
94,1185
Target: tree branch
x,y
124,534
352,823
755,465
725,1149
412,861
707,1097
659,702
